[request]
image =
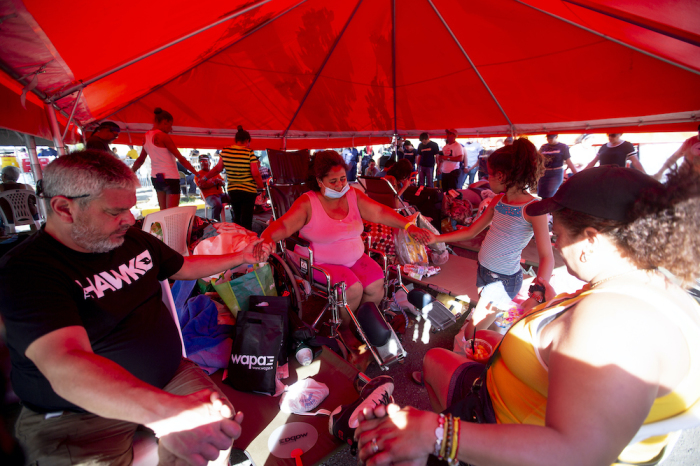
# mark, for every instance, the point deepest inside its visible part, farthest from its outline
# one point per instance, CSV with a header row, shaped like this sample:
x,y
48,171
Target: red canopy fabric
x,y
324,73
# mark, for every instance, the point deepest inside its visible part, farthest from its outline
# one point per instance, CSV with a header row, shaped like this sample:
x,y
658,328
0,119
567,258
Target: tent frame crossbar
x,y
658,30
83,84
55,128
165,83
393,62
611,39
72,113
23,81
323,65
466,55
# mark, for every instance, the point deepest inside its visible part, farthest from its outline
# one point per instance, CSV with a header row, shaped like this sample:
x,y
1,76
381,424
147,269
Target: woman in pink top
x,y
163,152
330,218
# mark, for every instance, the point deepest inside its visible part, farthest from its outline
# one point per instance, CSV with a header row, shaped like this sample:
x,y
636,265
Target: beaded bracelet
x,y
447,444
439,434
452,458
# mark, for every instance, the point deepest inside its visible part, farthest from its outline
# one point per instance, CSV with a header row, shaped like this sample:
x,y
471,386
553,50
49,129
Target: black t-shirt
x,y
427,153
46,286
555,155
410,156
616,155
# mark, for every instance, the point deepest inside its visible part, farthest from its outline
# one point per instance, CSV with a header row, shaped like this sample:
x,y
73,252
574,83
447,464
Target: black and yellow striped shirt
x,y
237,162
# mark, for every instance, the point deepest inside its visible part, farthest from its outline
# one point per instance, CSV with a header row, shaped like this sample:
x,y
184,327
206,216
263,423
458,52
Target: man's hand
x,y
199,429
263,248
200,445
257,251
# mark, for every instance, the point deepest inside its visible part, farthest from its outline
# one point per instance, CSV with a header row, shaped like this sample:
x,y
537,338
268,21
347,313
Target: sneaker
x,y
344,419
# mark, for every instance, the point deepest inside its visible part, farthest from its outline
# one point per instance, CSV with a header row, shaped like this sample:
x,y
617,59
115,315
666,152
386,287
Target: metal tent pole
x,y
668,31
481,78
55,129
190,68
323,65
611,39
87,82
30,142
70,119
393,61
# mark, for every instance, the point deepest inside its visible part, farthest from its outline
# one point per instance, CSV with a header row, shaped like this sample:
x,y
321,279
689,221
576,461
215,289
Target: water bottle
x,y
304,355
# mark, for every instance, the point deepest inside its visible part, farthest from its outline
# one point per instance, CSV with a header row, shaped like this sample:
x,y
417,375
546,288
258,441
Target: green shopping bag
x,y
236,293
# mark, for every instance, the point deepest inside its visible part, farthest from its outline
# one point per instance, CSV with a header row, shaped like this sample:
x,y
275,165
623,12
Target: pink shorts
x,y
365,270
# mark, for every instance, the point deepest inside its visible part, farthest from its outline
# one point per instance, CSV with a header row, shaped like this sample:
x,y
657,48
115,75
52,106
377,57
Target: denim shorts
x,y
498,288
167,185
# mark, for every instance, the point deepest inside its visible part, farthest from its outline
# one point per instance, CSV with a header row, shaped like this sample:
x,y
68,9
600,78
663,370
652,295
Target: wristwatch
x,y
534,288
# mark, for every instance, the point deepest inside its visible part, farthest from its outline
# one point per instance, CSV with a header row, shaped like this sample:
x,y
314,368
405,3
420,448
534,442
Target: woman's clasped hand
x,y
384,438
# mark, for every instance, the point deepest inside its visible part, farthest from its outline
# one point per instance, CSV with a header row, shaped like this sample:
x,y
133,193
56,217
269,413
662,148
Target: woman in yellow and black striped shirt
x,y
243,174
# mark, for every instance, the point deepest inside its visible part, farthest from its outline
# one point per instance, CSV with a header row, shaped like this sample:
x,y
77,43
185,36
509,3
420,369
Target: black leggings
x,y
243,205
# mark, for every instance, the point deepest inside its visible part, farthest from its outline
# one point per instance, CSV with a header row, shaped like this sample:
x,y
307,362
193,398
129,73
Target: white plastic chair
x,y
19,203
176,224
145,446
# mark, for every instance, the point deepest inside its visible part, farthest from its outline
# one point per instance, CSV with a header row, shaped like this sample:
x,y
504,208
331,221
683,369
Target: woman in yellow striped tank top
x,y
243,175
597,377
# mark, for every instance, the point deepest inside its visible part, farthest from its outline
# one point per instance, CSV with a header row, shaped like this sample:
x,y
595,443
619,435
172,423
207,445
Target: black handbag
x,y
475,406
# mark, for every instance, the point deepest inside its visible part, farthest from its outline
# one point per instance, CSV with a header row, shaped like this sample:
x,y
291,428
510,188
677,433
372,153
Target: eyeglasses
x,y
40,192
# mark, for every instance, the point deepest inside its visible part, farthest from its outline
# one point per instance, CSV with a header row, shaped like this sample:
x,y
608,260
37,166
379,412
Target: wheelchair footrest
x,y
380,335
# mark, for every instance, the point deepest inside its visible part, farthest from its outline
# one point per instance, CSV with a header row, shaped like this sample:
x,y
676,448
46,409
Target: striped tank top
x,y
505,240
237,162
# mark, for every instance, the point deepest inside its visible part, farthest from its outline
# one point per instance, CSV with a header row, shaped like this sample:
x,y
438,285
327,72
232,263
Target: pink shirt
x,y
334,241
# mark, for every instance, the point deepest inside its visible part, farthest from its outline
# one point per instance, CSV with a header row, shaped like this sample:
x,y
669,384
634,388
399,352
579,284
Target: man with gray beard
x,y
94,350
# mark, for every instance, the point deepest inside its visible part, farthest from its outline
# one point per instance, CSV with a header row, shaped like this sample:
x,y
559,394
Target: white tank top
x,y
162,161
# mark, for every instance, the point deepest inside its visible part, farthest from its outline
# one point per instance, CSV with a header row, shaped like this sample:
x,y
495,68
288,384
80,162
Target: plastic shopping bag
x,y
303,396
232,238
407,249
236,291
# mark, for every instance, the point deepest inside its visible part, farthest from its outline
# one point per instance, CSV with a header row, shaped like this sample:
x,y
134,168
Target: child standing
x,y
513,170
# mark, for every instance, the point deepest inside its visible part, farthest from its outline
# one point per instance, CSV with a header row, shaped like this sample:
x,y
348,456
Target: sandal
x,y
417,378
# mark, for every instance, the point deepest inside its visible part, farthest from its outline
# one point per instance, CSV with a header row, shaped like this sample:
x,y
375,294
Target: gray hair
x,y
85,174
11,173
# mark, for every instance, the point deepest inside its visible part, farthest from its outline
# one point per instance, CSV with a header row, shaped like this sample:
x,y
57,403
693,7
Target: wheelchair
x,y
300,277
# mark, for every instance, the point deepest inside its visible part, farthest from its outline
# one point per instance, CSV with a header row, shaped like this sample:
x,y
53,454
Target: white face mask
x,y
333,194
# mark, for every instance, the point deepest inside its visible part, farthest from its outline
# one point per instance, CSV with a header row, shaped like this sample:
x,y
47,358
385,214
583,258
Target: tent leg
x,y
72,113
30,142
55,129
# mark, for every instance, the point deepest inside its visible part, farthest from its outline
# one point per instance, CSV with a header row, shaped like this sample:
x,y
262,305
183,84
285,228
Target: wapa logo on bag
x,y
258,363
293,438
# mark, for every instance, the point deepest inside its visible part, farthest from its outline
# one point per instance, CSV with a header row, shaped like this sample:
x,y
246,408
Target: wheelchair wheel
x,y
285,282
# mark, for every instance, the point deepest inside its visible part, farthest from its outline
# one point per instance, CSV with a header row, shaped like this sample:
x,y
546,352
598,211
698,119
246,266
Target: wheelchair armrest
x,y
382,254
295,240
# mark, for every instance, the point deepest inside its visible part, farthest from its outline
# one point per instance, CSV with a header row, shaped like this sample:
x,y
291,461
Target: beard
x,y
90,238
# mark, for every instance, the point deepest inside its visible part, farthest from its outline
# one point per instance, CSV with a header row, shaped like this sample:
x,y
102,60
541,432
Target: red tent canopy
x,y
322,73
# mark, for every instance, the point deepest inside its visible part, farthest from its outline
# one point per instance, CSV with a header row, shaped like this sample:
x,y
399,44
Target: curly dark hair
x,y
321,163
401,170
521,163
663,230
